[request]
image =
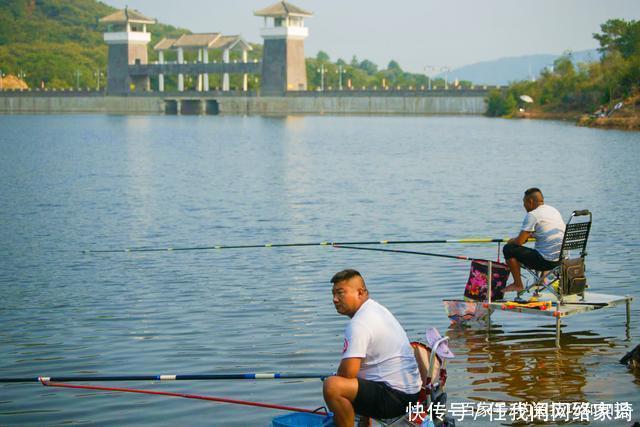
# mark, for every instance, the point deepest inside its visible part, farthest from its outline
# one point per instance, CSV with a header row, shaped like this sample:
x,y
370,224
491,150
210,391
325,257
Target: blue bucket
x,y
303,419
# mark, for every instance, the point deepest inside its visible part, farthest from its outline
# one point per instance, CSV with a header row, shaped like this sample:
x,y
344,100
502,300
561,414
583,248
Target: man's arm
x,y
349,367
521,239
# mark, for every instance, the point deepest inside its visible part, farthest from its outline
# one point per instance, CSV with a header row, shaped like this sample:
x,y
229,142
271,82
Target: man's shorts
x,y
378,400
529,257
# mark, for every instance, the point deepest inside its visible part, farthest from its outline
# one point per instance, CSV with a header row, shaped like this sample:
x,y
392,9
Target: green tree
x,y
393,65
500,104
369,67
619,35
322,56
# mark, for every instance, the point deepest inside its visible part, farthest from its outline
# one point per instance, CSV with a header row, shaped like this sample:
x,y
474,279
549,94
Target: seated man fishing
x,y
378,374
545,224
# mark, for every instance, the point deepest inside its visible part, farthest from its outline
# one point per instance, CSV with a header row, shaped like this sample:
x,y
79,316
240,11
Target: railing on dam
x,y
478,91
395,92
195,68
11,93
83,93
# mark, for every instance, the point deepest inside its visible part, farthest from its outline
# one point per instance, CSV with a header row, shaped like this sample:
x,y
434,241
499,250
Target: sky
x,y
415,33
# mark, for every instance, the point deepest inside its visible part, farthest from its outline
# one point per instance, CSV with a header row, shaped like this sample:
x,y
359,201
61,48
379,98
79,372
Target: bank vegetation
x,y
605,93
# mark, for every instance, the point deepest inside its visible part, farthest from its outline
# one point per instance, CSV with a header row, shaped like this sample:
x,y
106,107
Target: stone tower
x,y
283,64
127,38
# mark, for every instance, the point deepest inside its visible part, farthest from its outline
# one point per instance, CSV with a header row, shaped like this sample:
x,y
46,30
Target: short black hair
x,y
343,275
529,191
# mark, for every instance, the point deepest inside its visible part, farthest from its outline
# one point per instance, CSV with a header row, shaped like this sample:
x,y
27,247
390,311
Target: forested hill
x,y
58,41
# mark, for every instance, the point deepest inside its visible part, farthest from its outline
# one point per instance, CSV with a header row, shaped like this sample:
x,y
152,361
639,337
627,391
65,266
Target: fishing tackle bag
x,y
476,288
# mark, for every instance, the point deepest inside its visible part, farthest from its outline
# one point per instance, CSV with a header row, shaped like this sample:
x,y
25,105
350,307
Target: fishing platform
x,y
545,306
560,292
570,306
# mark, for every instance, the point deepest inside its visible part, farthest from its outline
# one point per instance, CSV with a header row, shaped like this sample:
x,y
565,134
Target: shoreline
x,y
623,120
620,123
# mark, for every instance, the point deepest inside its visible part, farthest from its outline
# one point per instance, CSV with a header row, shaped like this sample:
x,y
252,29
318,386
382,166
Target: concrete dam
x,y
346,102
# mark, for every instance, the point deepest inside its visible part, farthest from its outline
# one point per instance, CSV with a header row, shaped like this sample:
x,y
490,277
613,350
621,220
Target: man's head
x,y
532,199
349,291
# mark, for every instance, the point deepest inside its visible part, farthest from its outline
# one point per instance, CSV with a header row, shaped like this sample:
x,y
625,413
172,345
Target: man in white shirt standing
x,y
545,224
378,375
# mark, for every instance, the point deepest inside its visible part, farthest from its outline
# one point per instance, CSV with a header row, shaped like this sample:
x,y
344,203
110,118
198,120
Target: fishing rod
x,y
165,377
292,245
186,396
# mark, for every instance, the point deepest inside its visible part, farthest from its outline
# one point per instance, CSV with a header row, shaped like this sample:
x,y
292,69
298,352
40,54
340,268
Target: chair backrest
x,y
428,374
572,271
576,235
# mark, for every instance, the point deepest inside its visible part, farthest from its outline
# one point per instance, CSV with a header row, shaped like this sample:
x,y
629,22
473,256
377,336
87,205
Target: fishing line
x,y
186,396
398,251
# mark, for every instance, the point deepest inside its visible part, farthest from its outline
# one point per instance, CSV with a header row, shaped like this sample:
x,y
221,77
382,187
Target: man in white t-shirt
x,y
545,224
378,375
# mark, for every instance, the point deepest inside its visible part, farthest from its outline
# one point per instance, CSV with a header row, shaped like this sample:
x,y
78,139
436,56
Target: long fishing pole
x,y
186,396
291,245
165,377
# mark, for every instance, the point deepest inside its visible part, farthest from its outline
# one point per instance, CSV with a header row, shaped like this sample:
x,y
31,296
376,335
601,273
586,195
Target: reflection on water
x,y
525,364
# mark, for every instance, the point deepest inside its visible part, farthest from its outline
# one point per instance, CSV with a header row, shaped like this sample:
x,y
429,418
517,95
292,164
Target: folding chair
x,y
433,373
568,277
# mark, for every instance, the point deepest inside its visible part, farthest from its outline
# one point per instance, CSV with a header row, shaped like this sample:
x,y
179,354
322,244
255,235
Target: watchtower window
x,y
116,28
136,27
277,22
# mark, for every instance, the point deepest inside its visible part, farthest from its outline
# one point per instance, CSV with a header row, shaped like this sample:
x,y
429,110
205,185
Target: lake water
x,y
73,183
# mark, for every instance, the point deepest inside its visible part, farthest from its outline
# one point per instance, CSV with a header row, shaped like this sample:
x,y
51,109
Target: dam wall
x,y
363,102
402,105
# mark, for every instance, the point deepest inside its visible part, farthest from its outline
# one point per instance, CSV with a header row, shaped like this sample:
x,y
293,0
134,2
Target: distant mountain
x,y
504,70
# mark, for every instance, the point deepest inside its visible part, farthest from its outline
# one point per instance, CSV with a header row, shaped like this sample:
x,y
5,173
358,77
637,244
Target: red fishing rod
x,y
185,396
